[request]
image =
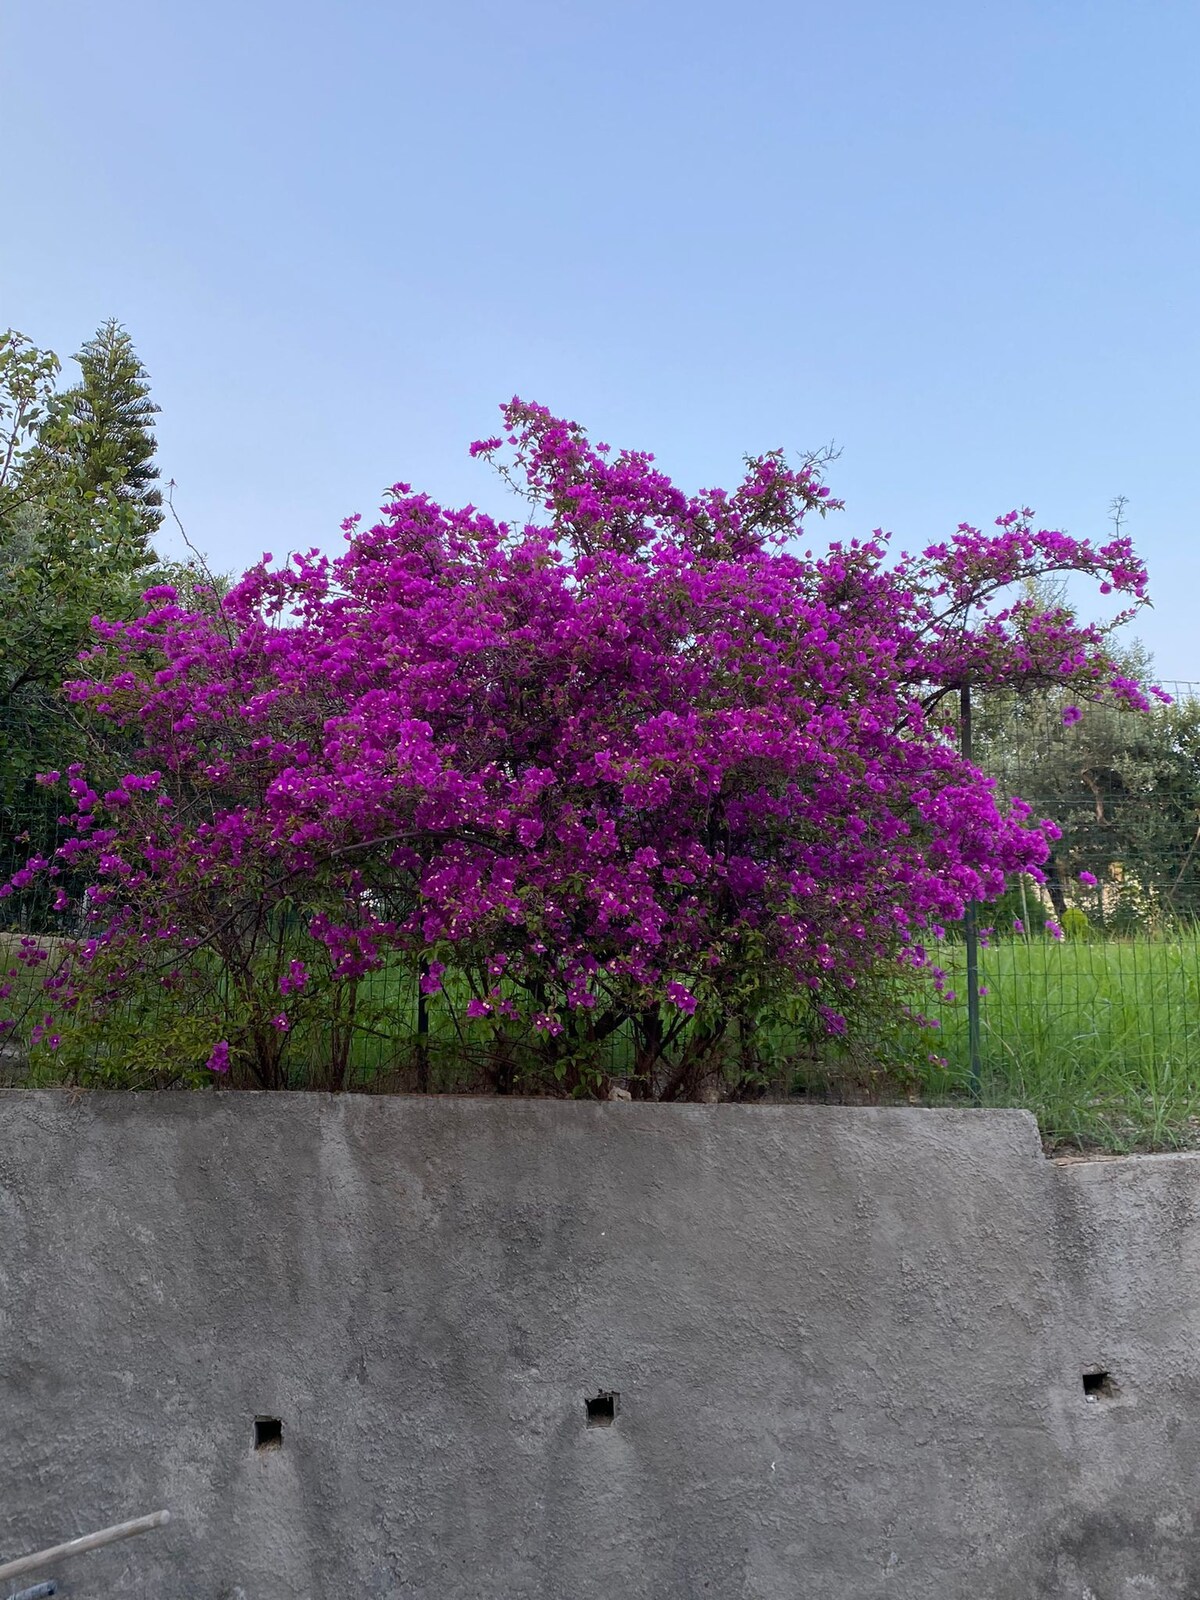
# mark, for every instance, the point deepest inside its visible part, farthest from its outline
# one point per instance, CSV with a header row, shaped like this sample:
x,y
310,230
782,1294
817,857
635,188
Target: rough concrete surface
x,y
848,1346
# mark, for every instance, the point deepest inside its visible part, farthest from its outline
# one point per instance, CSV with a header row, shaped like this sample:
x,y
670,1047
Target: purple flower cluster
x,y
640,752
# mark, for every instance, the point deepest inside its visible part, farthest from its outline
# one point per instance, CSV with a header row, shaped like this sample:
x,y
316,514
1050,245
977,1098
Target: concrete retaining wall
x,y
848,1345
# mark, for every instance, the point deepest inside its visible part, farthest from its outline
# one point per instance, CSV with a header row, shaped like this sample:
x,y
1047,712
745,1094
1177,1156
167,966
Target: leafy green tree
x,y
1123,788
28,403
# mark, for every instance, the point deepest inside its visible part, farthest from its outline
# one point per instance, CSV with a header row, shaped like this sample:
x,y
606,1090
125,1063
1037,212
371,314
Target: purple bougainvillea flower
x,y
294,979
640,756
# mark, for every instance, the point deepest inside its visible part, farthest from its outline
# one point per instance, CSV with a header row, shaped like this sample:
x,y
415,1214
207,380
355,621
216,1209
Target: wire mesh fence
x,y
1088,980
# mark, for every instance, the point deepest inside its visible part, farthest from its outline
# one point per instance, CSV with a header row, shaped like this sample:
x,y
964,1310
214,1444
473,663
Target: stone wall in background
x,y
530,1350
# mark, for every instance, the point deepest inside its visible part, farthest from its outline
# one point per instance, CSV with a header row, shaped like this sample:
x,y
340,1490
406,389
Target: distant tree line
x,y
1124,788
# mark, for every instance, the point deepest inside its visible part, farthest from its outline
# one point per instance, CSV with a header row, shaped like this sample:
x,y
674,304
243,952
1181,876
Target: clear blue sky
x,y
960,239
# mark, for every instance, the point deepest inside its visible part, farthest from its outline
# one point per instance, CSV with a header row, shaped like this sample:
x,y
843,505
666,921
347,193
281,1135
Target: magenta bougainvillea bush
x,y
640,765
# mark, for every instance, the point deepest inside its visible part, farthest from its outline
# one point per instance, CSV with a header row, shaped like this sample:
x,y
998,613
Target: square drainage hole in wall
x,y
602,1411
1099,1386
268,1433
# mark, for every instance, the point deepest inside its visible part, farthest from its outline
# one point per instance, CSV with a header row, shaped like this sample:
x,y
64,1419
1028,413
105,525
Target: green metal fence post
x,y
970,926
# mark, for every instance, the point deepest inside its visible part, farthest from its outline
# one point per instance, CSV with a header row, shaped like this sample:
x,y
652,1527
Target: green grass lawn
x,y
1101,1039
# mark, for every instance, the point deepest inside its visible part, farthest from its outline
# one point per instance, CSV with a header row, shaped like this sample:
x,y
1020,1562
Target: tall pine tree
x,y
105,428
78,510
